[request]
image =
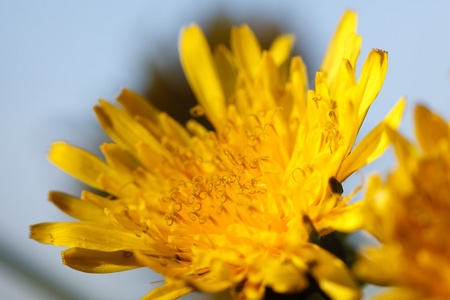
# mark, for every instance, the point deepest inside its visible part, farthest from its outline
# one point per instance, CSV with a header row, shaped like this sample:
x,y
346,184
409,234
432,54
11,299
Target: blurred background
x,y
58,57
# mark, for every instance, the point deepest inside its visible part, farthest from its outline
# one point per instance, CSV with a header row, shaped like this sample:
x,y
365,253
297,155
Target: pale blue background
x,y
58,57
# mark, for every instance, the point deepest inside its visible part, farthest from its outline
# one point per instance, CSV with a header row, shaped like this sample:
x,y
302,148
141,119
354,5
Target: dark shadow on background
x,y
168,88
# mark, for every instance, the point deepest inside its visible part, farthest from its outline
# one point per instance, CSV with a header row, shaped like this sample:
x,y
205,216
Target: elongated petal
x,y
120,159
283,277
102,202
269,80
430,128
403,148
174,130
346,219
226,67
371,80
337,48
167,266
200,70
148,156
91,261
171,290
321,85
117,188
209,284
298,79
77,208
90,236
79,163
369,267
333,276
246,48
123,129
353,49
138,105
372,145
280,48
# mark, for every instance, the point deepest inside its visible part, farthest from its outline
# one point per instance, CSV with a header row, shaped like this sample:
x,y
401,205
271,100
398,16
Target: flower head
x,y
233,207
409,214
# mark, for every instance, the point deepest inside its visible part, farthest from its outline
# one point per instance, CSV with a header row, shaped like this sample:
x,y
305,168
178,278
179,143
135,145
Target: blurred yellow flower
x,y
231,208
409,214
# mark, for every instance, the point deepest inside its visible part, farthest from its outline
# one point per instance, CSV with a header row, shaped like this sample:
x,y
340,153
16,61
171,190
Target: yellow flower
x,y
231,208
409,214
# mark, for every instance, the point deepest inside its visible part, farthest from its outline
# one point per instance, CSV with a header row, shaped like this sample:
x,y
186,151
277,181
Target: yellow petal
x,y
333,276
196,129
267,79
91,261
79,163
173,289
280,48
346,219
103,202
200,70
149,181
337,48
87,235
153,127
226,67
373,144
118,188
298,80
119,159
321,86
430,128
353,49
169,266
344,89
138,105
283,277
346,74
208,283
246,48
227,271
174,130
371,80
372,207
77,208
344,92
123,129
403,148
148,156
377,266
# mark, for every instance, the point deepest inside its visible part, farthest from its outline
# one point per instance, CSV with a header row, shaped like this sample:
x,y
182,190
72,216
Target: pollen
x,y
227,179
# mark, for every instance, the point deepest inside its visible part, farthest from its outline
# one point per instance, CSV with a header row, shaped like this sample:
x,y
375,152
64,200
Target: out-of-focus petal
x,y
91,261
337,48
430,128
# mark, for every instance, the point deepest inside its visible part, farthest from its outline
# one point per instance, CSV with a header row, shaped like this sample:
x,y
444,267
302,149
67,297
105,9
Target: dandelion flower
x,y
230,208
409,214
